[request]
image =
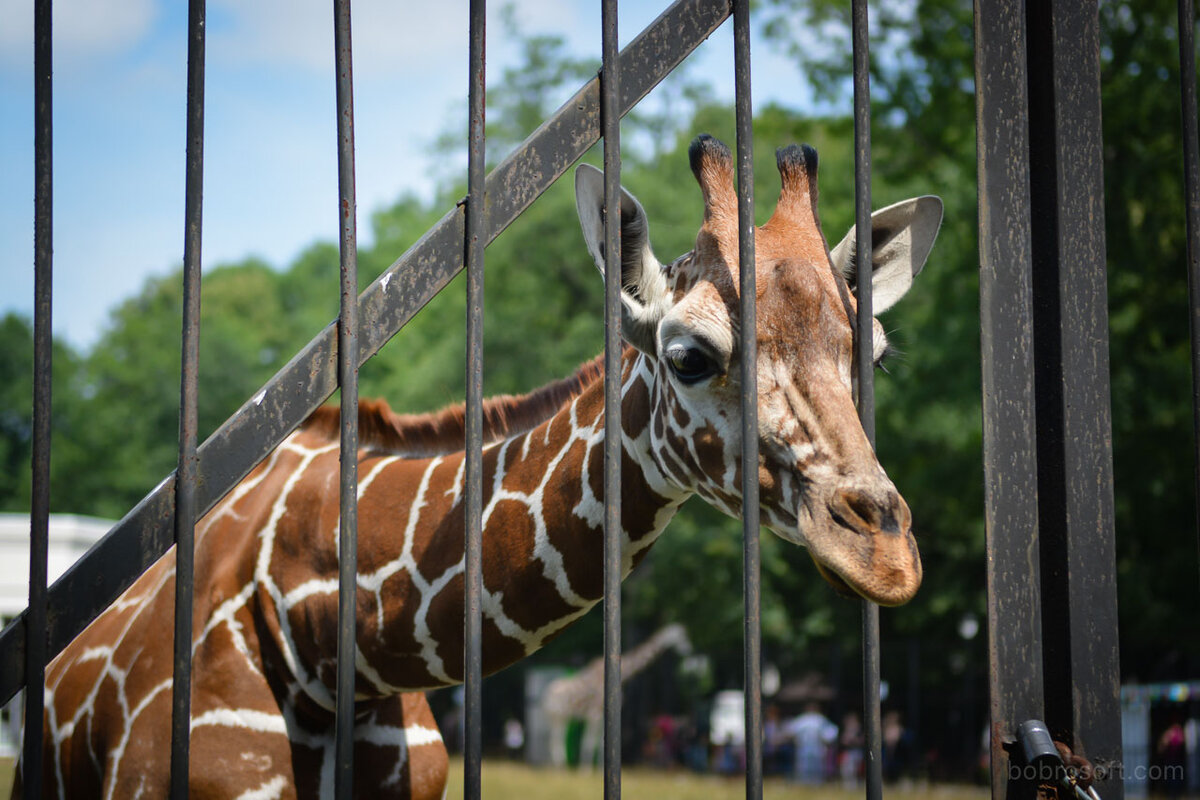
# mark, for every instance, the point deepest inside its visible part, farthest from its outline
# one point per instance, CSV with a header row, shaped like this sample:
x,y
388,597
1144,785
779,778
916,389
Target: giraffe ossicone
x,y
264,641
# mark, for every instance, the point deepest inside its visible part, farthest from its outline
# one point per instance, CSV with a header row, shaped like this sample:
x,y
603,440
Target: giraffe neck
x,y
642,656
542,543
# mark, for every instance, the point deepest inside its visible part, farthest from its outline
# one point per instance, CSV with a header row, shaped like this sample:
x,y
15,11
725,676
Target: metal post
x,y
348,381
185,476
1191,173
39,530
1006,312
610,119
864,363
748,347
1070,318
473,478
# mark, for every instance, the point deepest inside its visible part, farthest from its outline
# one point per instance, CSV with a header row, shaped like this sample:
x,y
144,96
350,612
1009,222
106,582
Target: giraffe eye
x,y
690,364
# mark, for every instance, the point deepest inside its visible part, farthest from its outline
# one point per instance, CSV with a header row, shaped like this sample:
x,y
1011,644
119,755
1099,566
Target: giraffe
x,y
581,694
264,636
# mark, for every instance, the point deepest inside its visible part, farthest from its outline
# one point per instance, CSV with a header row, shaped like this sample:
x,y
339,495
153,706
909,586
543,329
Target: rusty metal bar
x,y
610,119
864,363
347,331
185,486
35,637
1191,173
1071,380
385,307
475,233
1006,312
748,349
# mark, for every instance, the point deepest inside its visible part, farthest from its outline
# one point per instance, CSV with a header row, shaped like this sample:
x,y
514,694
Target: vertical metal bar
x,y
1075,484
1191,175
610,118
473,478
1006,314
39,521
185,480
864,363
348,381
751,555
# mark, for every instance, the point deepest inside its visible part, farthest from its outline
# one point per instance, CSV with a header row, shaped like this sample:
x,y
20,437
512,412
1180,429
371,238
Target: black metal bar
x,y
347,330
475,233
1191,179
34,636
385,307
1010,458
185,486
748,348
1070,317
864,366
610,120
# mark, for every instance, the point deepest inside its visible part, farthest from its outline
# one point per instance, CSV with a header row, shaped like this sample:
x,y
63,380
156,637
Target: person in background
x,y
812,735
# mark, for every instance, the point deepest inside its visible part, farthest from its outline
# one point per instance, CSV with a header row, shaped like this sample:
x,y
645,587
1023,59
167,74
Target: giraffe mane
x,y
444,431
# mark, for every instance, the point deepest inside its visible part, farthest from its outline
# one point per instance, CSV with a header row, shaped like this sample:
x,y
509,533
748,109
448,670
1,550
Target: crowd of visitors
x,y
807,748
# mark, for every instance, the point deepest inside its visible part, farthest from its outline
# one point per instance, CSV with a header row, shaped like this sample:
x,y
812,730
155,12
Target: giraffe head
x,y
820,482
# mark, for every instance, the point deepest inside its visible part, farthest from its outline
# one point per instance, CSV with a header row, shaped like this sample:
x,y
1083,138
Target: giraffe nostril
x,y
866,512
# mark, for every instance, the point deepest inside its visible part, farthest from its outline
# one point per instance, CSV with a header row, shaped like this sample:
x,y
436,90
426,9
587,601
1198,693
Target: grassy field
x,y
507,780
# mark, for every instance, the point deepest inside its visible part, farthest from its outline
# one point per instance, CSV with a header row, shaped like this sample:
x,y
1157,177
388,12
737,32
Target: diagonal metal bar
x,y
145,533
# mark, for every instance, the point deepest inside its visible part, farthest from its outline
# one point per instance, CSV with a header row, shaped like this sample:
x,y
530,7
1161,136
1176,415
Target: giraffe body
x,y
264,637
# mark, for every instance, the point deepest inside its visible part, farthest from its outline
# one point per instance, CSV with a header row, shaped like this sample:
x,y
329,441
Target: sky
x,y
270,163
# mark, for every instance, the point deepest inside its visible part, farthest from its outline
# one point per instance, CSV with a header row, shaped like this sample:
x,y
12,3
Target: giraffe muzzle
x,y
862,543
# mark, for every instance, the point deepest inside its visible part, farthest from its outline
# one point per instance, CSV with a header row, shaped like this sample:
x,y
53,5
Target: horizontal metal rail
x,y
310,378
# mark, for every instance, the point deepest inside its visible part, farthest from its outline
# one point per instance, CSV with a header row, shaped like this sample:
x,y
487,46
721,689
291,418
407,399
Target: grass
x,y
509,780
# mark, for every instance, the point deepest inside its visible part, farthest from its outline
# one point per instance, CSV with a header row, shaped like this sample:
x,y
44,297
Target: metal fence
x,y
1052,619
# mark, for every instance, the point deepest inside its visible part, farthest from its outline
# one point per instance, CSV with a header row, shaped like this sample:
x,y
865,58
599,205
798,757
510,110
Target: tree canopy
x,y
115,423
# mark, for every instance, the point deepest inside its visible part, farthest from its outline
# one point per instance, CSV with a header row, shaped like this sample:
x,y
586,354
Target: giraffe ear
x,y
901,237
643,288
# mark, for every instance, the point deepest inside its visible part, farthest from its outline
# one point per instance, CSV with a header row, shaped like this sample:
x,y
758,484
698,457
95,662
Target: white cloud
x,y
81,27
387,35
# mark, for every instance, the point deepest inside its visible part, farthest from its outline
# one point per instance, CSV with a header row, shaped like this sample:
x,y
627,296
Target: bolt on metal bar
x,y
864,363
751,555
347,330
610,120
475,234
186,474
39,519
310,378
1191,173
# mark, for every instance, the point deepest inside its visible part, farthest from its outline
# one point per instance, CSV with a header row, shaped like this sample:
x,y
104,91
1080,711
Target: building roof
x,y
71,535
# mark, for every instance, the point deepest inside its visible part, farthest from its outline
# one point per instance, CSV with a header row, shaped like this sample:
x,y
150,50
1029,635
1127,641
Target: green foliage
x,y
116,407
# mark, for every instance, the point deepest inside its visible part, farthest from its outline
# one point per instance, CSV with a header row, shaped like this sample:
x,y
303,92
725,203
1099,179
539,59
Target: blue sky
x,y
270,169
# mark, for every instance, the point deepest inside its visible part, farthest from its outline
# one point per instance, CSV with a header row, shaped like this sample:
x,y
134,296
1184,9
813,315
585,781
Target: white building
x,y
70,537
